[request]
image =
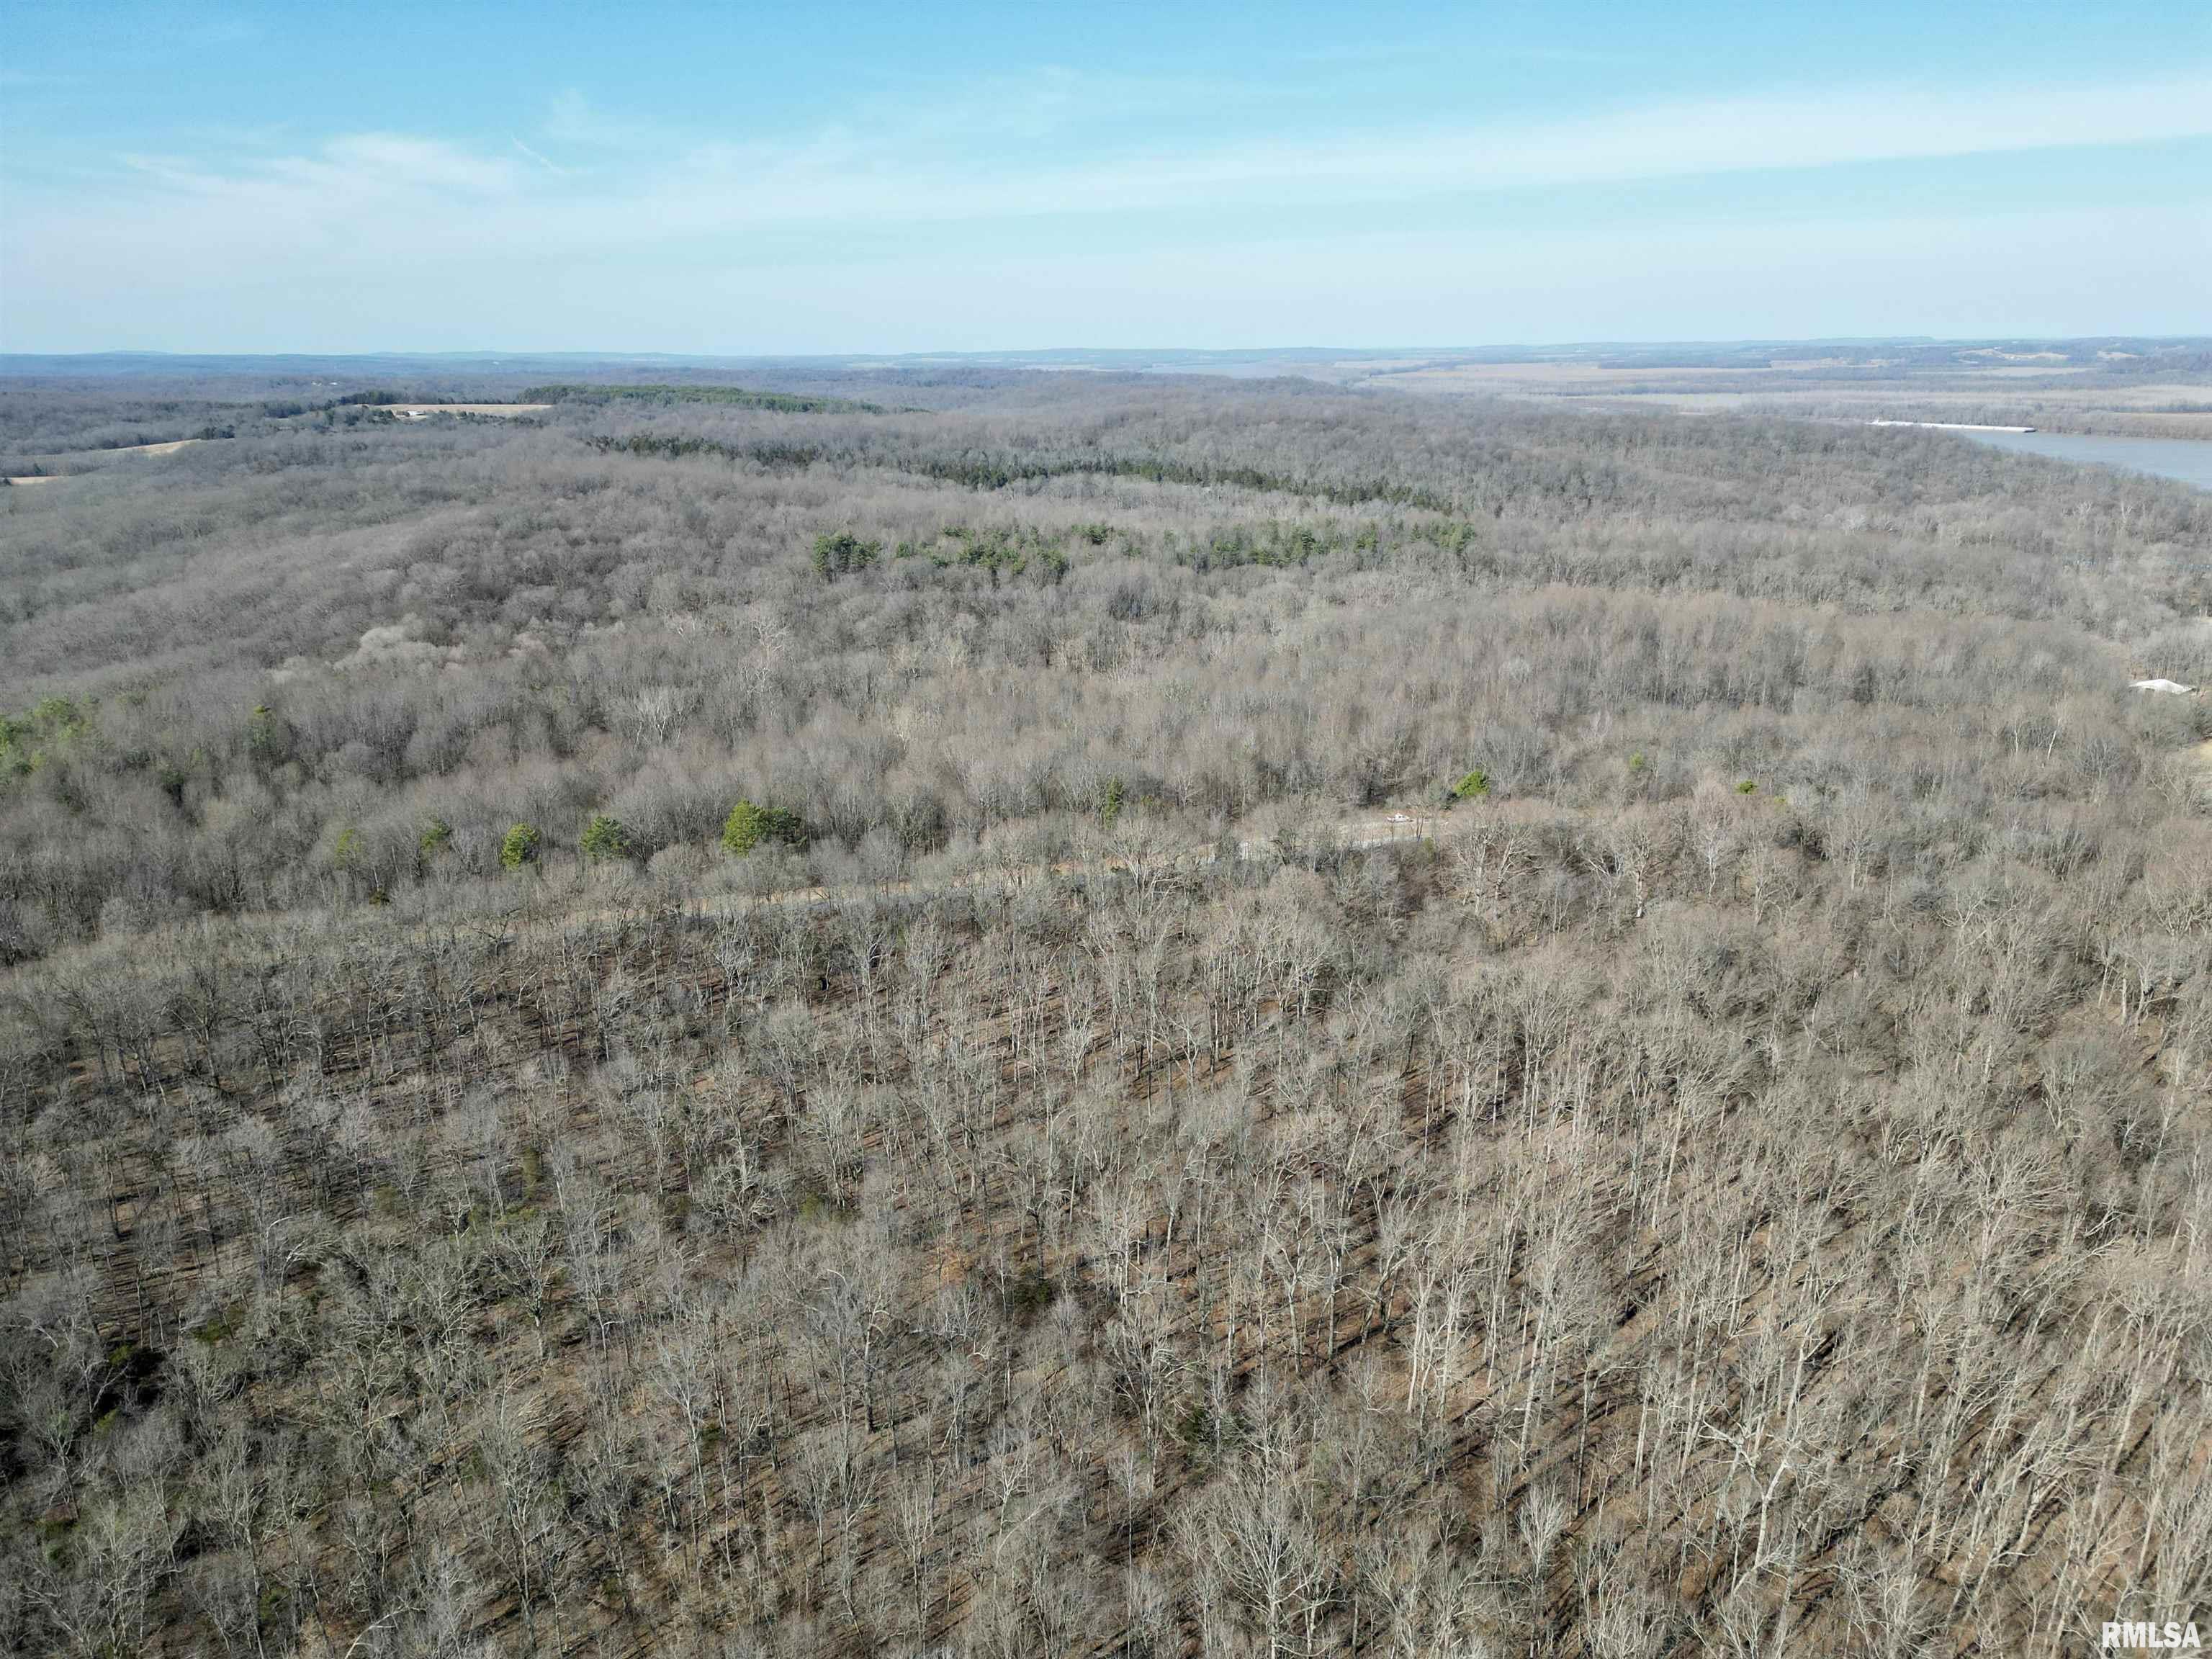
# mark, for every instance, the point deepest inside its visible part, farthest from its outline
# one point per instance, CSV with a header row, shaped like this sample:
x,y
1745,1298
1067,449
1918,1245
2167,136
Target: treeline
x,y
43,416
734,397
1001,471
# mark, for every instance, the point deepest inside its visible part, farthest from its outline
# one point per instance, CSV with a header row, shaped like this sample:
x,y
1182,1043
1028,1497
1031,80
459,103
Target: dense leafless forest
x,y
669,1027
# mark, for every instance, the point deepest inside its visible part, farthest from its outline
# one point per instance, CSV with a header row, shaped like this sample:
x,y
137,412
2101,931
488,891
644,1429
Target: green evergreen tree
x,y
748,825
840,553
520,847
745,829
267,736
604,838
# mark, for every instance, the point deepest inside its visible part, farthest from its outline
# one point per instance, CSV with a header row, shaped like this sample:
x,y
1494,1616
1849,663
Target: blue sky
x,y
890,177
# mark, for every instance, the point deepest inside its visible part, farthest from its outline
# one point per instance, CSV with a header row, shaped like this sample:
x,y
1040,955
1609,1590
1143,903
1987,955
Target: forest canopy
x,y
1071,1014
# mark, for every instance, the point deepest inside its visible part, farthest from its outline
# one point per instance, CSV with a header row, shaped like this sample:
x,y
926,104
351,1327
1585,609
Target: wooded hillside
x,y
684,1027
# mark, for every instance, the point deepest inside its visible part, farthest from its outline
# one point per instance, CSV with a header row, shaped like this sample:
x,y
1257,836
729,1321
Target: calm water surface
x,y
2186,458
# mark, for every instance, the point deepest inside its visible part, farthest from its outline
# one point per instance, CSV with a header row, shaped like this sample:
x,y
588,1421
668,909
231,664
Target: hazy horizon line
x,y
495,354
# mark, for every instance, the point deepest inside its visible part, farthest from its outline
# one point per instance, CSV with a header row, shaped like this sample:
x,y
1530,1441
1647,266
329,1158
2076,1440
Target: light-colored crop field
x,y
2055,396
423,411
170,448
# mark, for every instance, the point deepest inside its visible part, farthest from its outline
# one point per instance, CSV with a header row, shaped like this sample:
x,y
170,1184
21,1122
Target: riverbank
x,y
2185,461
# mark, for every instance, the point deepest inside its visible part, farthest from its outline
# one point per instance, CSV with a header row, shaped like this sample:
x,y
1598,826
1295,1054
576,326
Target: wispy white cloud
x,y
573,119
934,169
551,167
1655,141
362,213
2076,271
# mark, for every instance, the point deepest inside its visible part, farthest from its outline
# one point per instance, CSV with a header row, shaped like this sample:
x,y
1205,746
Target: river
x,y
2189,460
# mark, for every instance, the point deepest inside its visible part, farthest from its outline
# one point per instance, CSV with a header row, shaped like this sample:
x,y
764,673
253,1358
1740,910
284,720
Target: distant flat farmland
x,y
2055,396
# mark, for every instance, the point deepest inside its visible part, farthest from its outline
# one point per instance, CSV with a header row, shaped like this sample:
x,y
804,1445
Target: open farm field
x,y
2151,389
423,411
2167,411
2087,396
956,1010
170,448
